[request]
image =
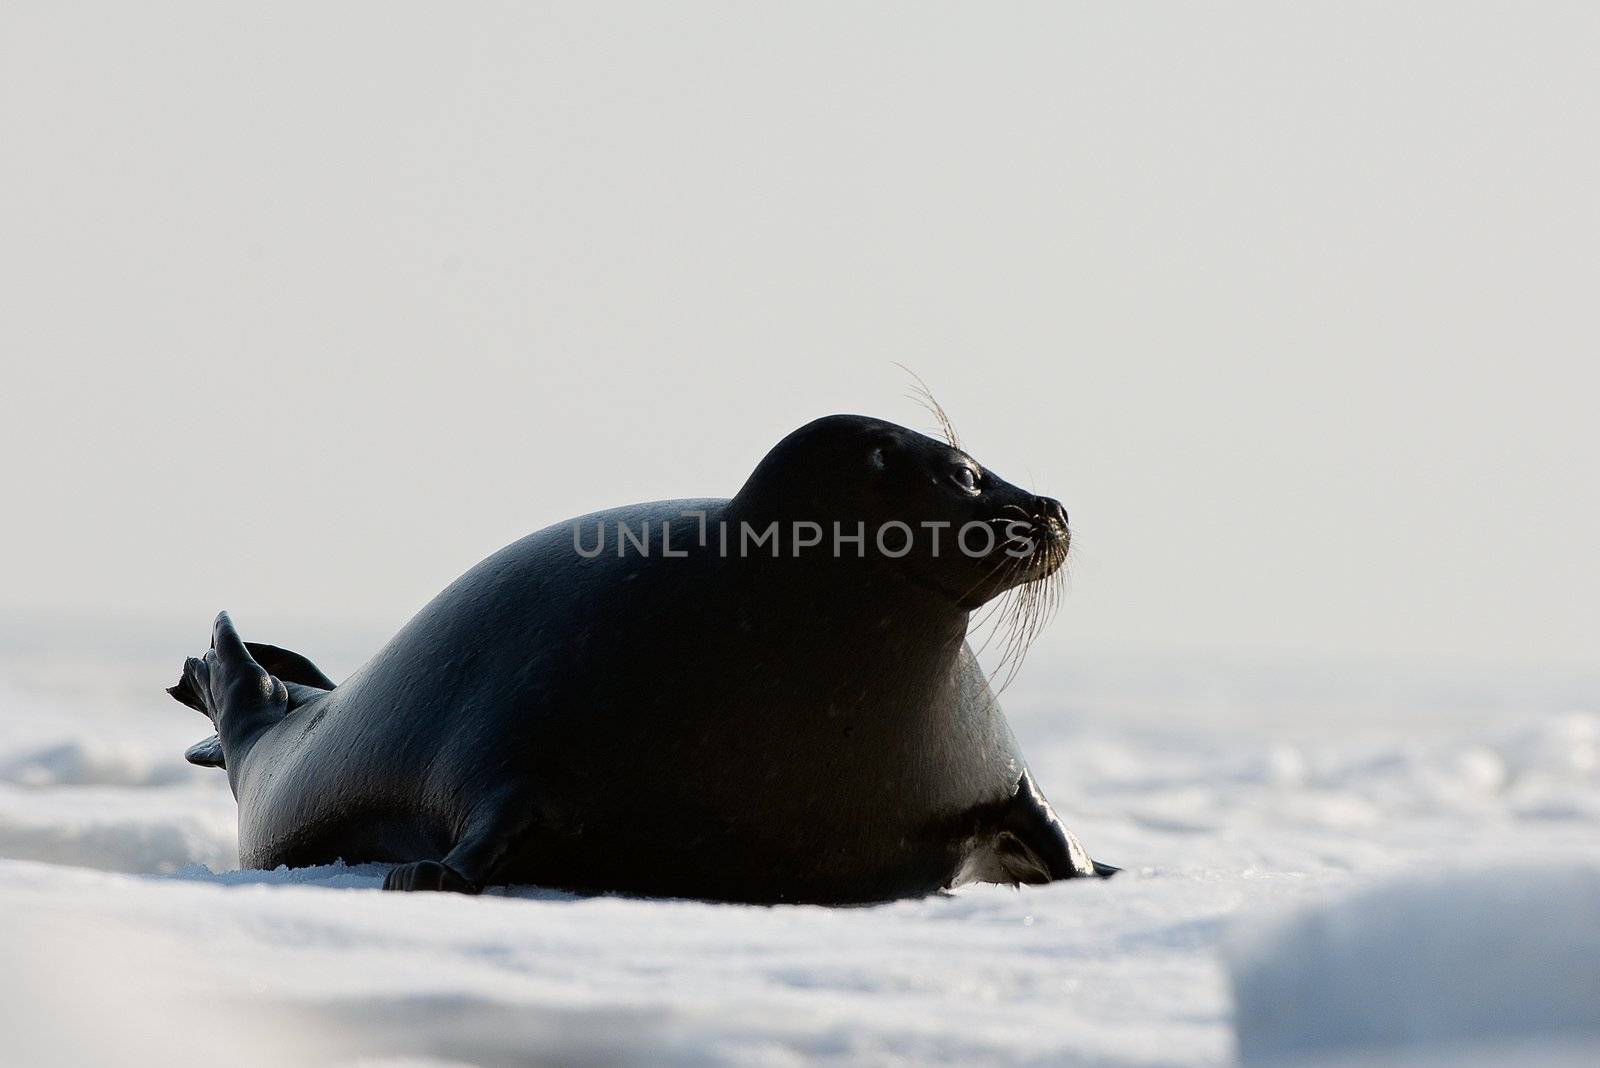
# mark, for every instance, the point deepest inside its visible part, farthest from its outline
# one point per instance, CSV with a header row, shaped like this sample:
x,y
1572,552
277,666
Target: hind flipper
x,y
303,678
207,753
186,693
238,695
289,666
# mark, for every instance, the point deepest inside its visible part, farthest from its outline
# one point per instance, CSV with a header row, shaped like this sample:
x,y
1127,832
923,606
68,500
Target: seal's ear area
x,y
887,449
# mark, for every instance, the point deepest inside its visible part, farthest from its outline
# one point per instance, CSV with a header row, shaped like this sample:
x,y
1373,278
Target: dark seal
x,y
763,699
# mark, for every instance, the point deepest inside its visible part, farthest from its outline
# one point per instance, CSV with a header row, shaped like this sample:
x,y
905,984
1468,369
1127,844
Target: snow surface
x,y
1338,837
1454,958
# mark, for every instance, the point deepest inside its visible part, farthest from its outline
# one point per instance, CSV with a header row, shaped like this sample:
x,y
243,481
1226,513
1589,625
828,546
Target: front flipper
x,y
473,863
428,875
1034,825
1024,841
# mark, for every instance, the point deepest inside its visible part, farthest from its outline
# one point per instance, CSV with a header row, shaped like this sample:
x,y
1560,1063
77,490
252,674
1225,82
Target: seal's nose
x,y
1048,508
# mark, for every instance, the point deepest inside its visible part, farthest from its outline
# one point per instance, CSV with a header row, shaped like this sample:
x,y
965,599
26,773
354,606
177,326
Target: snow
x,y
1505,953
1368,864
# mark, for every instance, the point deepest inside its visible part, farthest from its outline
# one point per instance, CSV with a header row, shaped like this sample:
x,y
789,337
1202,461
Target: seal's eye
x,y
966,478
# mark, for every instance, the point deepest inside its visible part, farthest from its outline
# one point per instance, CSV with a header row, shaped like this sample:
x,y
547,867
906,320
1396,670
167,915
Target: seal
x,y
769,698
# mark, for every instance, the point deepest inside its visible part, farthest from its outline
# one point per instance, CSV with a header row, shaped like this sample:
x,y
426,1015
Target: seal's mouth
x,y
1029,547
1052,540
1027,586
1038,539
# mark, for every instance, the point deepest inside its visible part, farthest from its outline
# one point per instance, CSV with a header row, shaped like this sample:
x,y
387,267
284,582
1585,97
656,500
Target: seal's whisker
x,y
1000,609
988,616
924,396
984,579
1018,633
1029,608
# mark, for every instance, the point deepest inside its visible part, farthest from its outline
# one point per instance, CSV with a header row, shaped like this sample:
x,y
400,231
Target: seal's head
x,y
927,509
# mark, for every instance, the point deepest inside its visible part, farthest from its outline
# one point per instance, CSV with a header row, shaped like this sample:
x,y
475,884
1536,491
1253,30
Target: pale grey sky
x,y
304,308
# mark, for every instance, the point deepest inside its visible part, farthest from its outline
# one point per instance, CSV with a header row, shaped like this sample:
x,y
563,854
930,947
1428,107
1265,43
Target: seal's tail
x,y
250,677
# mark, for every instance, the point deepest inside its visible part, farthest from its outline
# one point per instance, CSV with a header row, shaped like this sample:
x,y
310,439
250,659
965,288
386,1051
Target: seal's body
x,y
673,713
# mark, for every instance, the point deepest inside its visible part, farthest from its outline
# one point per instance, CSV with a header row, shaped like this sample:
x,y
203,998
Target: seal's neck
x,y
887,641
845,582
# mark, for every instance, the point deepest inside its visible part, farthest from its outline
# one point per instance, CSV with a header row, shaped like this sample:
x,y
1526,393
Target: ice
x,y
1417,859
1436,960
